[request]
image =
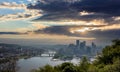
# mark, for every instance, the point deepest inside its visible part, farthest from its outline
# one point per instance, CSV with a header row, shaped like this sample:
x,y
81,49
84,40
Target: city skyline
x,y
59,22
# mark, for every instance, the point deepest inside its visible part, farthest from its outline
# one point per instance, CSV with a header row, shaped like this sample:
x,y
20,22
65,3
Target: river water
x,y
26,65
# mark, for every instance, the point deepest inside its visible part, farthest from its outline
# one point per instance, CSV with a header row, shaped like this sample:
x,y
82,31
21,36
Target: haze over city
x,y
49,21
59,35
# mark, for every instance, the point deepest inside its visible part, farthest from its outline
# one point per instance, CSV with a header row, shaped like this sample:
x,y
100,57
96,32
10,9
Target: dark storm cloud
x,y
55,10
69,9
109,34
11,33
111,7
65,30
51,5
71,16
60,30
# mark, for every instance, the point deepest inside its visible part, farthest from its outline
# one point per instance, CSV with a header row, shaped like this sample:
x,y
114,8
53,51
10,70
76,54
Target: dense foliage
x,y
108,61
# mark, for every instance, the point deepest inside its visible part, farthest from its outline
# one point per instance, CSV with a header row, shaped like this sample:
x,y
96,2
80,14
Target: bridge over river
x,y
48,54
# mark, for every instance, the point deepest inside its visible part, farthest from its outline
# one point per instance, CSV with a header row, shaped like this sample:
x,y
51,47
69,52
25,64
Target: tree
x,y
84,65
46,68
69,69
109,53
66,67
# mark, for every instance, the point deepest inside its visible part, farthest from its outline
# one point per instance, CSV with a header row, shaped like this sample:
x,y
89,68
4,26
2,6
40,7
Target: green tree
x,y
84,65
69,69
66,67
93,68
109,53
46,68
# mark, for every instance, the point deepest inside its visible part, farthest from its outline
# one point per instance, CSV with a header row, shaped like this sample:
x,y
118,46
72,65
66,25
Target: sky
x,y
55,21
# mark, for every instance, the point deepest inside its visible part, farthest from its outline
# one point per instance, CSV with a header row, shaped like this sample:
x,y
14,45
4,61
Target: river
x,y
26,65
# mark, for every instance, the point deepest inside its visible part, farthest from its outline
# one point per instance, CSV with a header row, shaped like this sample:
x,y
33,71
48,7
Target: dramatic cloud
x,y
26,14
71,18
81,18
77,9
107,34
96,31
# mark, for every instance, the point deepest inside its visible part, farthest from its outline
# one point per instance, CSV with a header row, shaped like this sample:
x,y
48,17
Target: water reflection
x,y
26,65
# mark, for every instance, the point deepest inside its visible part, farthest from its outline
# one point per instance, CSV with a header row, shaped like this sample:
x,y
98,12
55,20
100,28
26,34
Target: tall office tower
x,y
83,45
77,43
93,45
